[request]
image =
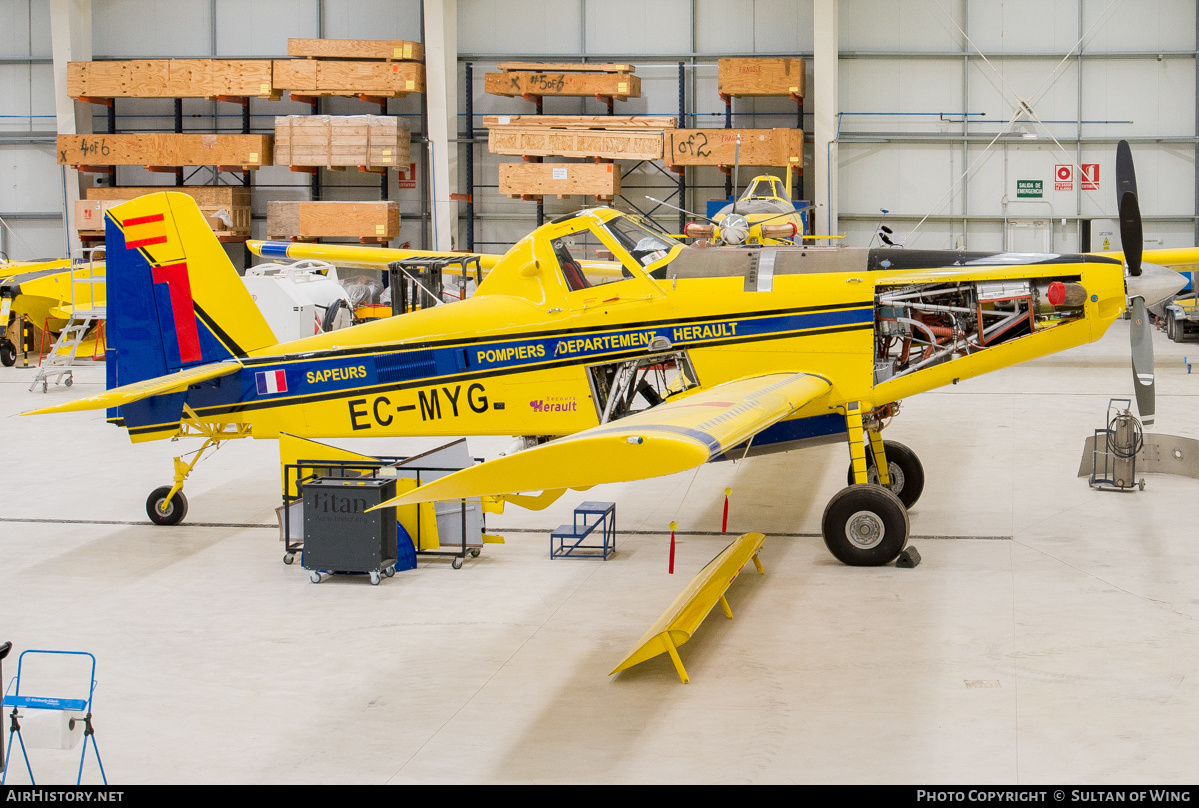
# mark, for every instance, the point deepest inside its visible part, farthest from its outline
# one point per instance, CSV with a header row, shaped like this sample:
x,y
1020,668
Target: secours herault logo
x,y
554,404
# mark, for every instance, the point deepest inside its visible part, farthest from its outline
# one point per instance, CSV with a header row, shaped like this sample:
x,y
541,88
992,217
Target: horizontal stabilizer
x,y
353,255
147,388
666,439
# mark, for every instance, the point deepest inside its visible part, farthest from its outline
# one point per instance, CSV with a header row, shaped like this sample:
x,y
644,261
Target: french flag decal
x,y
271,381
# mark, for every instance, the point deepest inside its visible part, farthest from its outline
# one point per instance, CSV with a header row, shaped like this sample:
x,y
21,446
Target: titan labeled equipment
x,y
340,536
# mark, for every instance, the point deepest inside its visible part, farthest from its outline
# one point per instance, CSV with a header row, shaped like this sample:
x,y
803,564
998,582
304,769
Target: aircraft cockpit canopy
x,y
765,188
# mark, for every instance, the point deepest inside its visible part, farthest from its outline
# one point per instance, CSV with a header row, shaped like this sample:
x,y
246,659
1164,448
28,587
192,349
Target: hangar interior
x,y
1048,634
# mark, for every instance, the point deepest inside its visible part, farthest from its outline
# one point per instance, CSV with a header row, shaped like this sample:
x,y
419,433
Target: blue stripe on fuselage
x,y
323,375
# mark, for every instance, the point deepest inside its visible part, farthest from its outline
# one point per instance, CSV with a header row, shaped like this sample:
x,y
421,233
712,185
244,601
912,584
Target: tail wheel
x,y
865,526
904,468
8,353
166,512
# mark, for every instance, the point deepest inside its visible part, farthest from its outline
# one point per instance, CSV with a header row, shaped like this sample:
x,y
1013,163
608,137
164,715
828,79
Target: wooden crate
x,y
565,67
212,200
315,77
761,76
610,145
306,220
560,179
379,49
514,83
170,78
634,122
165,149
372,141
718,147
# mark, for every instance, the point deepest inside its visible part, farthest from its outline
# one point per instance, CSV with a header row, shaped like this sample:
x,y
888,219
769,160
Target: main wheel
x,y
907,474
8,353
162,512
865,526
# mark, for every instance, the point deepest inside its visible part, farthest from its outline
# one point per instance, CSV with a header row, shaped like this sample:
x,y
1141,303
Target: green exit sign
x,y
1030,189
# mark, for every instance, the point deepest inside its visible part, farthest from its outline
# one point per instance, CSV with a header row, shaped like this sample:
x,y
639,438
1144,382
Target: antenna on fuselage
x,y
736,168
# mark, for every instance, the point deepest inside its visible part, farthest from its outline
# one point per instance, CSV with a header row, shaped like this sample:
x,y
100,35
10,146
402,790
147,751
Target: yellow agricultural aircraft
x,y
655,362
763,215
46,292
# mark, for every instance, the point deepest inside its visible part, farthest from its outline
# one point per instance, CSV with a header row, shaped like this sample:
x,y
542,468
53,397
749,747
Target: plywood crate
x,y
634,122
326,77
373,220
560,179
373,141
718,147
761,76
165,149
170,78
226,208
379,49
602,143
516,82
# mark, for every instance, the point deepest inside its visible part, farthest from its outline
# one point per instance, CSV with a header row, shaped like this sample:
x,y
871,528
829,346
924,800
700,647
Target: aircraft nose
x,y
1155,284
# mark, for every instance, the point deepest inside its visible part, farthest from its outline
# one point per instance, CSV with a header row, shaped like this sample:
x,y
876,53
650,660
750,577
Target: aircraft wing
x,y
353,255
665,439
1166,257
158,386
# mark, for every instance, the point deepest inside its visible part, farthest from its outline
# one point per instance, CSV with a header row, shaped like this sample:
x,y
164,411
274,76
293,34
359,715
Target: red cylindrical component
x,y
697,230
671,568
1056,293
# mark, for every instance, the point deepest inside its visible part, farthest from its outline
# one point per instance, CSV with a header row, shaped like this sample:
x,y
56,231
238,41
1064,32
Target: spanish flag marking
x,y
144,231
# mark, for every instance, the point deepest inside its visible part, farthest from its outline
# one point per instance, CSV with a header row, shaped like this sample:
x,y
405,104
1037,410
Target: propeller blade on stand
x,y
1140,331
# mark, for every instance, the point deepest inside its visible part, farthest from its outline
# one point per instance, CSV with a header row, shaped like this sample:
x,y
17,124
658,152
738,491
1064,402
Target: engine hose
x,y
1129,450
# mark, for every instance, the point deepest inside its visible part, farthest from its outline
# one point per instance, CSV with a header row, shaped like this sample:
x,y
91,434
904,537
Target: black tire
x,y
8,353
865,526
907,473
173,513
1170,325
1176,329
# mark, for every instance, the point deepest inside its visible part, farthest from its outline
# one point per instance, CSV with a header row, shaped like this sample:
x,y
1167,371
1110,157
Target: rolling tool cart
x,y
340,536
51,722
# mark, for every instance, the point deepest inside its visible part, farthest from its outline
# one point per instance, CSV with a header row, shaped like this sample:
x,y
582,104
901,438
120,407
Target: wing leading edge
x,y
669,438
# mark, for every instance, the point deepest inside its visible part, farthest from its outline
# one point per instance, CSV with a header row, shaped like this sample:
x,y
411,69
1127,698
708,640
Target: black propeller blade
x,y
1131,235
1132,239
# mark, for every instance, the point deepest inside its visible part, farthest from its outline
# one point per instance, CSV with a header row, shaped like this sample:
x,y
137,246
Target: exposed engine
x,y
920,325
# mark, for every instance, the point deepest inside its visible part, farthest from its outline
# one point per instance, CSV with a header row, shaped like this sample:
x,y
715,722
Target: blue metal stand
x,y
18,702
567,540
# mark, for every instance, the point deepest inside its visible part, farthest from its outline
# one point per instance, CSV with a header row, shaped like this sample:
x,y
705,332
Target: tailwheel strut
x,y
167,505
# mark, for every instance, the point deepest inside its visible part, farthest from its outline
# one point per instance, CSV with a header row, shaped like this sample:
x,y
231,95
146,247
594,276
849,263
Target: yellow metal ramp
x,y
679,622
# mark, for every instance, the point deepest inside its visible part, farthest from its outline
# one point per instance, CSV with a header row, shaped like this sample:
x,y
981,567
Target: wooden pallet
x,y
718,147
321,77
604,85
171,78
761,77
312,220
216,202
559,179
564,67
378,49
332,141
601,143
634,122
244,152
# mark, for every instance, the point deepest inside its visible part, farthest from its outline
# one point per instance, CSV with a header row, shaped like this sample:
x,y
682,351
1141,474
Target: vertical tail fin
x,y
174,299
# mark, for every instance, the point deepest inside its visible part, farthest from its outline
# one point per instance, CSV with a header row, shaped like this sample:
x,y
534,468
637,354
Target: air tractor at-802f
x,y
652,359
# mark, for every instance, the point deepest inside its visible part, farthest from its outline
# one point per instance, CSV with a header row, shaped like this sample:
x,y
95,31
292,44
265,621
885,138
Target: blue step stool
x,y
566,541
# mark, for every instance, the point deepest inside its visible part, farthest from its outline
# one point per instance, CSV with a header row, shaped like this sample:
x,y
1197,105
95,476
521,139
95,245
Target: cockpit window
x,y
644,245
764,189
586,261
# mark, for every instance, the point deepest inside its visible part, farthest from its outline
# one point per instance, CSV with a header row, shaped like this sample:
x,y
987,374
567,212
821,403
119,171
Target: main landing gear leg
x,y
167,505
864,525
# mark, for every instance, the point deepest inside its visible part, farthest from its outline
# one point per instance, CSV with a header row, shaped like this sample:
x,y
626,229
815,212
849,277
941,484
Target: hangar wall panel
x,y
133,29
524,27
372,19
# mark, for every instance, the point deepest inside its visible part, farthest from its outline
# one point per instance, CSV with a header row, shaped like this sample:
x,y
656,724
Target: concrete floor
x,y
1050,636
